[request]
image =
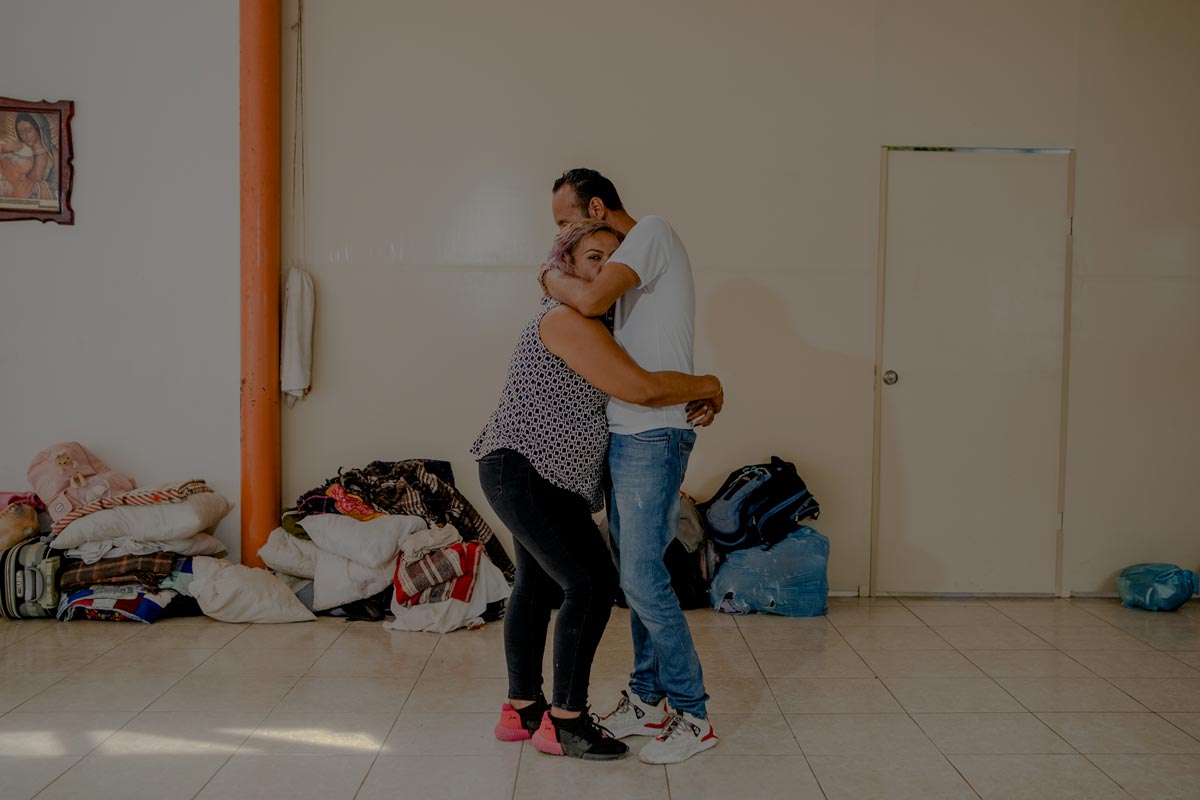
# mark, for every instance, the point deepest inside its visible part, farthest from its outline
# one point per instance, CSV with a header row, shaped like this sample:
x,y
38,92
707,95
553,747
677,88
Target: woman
x,y
541,463
26,164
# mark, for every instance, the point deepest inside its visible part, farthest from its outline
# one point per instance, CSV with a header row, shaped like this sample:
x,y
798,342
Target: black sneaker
x,y
581,737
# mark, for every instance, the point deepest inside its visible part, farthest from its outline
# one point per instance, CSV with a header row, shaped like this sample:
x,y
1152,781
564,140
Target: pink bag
x,y
68,476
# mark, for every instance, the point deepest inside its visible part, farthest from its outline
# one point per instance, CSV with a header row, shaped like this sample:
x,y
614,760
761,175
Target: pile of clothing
x,y
126,588
125,553
393,535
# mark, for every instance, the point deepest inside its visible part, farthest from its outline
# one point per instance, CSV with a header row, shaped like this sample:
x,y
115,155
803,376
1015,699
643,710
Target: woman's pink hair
x,y
561,251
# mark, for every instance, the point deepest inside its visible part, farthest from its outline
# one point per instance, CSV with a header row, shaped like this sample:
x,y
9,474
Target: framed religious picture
x,y
36,160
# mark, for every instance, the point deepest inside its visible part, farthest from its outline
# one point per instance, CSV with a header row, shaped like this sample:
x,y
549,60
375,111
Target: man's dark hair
x,y
587,183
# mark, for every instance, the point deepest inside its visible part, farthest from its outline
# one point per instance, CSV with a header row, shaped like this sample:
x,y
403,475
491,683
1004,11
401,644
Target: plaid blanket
x,y
435,568
148,571
170,493
459,588
418,488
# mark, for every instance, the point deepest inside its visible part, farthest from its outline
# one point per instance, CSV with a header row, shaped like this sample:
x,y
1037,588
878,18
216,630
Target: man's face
x,y
566,207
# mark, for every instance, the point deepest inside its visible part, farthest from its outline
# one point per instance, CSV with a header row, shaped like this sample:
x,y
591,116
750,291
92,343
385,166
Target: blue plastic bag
x,y
787,579
1157,587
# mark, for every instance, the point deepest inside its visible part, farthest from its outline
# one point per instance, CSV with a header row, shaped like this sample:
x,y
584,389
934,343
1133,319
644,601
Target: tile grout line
x,y
908,713
779,708
1037,715
1101,770
241,744
516,773
70,674
136,714
403,706
1058,649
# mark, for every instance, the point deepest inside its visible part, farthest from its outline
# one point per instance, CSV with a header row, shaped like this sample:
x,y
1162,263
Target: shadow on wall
x,y
789,398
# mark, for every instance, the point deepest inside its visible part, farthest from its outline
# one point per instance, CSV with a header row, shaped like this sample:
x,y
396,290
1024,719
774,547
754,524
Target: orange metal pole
x,y
260,187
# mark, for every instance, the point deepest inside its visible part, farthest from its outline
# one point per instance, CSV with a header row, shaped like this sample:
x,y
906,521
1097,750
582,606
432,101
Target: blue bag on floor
x,y
1157,587
788,578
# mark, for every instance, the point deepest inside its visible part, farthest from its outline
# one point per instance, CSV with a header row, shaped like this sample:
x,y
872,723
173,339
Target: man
x,y
649,277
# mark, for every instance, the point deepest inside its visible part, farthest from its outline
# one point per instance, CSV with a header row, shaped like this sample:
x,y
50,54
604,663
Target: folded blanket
x,y
202,544
167,493
160,522
123,604
437,567
490,587
148,571
422,543
459,588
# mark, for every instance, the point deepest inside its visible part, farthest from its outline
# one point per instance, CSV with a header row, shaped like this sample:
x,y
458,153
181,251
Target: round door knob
x,y
890,377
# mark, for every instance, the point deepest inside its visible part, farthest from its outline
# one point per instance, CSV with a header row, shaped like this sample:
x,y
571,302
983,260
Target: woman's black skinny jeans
x,y
560,555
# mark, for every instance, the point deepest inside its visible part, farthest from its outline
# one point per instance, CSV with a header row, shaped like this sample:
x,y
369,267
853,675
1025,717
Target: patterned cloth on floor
x,y
417,488
432,569
460,587
168,493
118,603
148,571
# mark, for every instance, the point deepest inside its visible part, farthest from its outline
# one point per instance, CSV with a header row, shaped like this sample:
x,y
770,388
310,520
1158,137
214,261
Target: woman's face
x,y
27,133
592,253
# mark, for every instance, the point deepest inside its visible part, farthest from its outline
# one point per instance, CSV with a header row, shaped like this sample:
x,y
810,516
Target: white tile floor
x,y
886,698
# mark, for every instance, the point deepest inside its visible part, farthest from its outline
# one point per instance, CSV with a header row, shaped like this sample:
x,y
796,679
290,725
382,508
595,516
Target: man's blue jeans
x,y
643,512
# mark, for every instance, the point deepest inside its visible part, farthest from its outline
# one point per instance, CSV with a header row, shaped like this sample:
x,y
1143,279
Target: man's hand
x,y
541,279
702,413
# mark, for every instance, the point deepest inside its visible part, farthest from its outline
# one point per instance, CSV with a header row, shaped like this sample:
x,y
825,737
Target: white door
x,y
974,271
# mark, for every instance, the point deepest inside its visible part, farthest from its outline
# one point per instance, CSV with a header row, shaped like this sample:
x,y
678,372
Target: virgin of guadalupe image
x,y
28,160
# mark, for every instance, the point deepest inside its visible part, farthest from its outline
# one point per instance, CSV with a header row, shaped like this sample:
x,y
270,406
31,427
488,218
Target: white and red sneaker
x,y
633,717
683,737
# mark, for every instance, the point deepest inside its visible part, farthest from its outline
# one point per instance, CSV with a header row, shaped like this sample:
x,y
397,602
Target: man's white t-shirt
x,y
655,320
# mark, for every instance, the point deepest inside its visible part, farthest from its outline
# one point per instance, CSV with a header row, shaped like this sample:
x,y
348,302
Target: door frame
x,y
881,274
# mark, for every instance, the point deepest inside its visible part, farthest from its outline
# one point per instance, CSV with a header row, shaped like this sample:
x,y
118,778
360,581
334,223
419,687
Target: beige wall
x,y
435,129
1134,455
122,331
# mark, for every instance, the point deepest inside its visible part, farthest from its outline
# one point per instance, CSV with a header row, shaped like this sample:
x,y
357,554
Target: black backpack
x,y
759,505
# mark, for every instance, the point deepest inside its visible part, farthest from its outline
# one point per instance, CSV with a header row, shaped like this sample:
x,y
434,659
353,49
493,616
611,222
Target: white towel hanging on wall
x,y
295,364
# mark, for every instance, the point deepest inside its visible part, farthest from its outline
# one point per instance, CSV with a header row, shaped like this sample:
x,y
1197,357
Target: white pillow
x,y
236,593
339,581
372,544
288,554
162,522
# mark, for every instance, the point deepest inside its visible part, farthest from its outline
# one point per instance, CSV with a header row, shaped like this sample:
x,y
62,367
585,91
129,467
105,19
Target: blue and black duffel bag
x,y
759,505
